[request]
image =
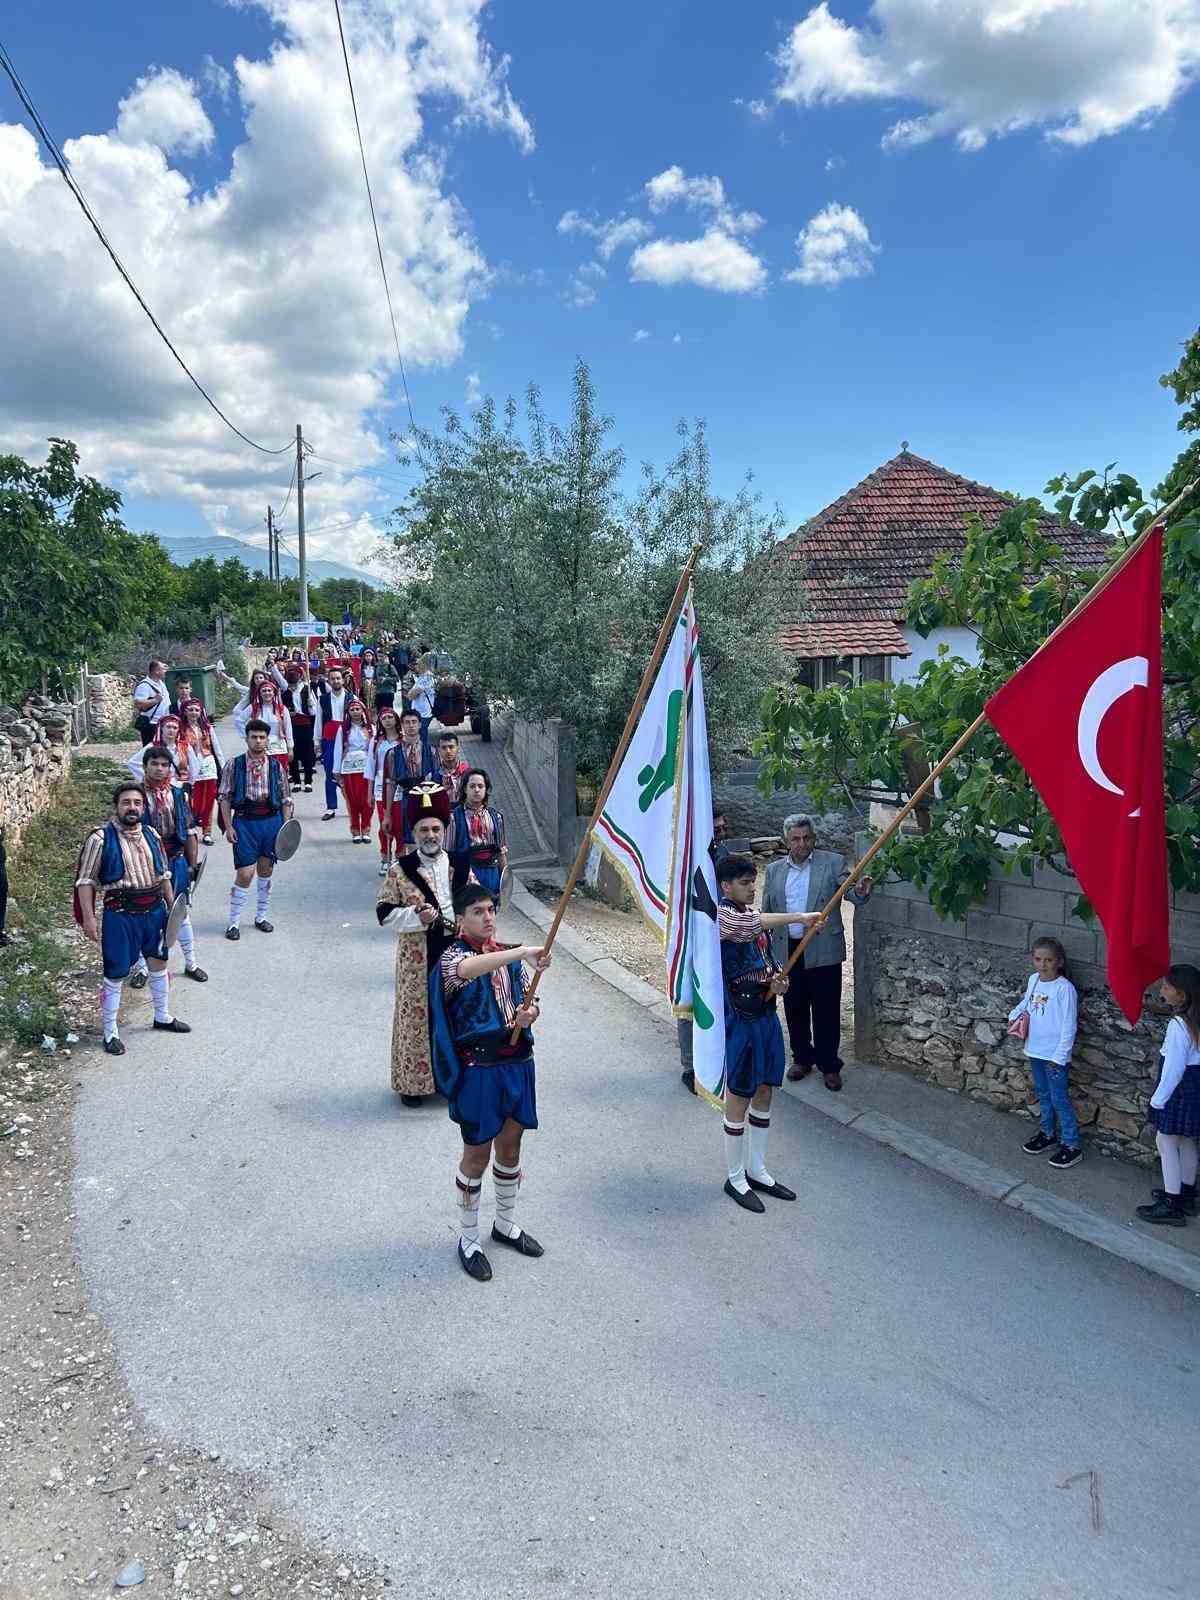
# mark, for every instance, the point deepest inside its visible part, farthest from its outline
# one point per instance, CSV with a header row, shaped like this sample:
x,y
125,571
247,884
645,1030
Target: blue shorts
x,y
255,837
126,935
180,875
753,1052
489,1095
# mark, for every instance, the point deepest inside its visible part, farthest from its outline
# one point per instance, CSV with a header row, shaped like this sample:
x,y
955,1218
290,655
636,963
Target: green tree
x,y
1010,587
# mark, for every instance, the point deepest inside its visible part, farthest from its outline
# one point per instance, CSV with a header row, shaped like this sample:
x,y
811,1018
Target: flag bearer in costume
x,y
255,803
754,1055
169,813
333,699
417,900
478,831
123,870
409,764
351,753
204,750
476,999
387,737
451,770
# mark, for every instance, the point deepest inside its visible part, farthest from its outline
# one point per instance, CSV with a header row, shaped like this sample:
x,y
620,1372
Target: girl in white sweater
x,y
1050,1004
1175,1103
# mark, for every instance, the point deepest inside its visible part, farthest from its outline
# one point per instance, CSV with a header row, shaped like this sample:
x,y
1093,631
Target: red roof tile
x,y
845,639
862,552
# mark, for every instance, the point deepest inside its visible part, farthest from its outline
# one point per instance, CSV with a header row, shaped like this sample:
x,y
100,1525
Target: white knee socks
x,y
237,899
110,1004
187,943
1177,1153
735,1154
159,989
760,1132
466,1207
264,899
507,1181
1189,1160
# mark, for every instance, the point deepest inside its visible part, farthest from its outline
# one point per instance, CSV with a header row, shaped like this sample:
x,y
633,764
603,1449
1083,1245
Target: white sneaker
x,y
383,869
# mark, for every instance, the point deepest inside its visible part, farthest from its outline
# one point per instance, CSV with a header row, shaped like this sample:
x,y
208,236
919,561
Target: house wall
x,y
962,643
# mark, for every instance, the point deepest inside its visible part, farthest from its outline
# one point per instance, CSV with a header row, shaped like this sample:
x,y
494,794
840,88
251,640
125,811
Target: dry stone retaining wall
x,y
35,756
932,997
110,700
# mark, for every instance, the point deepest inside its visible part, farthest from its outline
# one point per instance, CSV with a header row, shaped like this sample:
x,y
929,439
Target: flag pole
x,y
639,701
964,738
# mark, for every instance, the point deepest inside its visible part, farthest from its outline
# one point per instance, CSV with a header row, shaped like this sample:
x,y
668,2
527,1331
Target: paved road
x,y
877,1391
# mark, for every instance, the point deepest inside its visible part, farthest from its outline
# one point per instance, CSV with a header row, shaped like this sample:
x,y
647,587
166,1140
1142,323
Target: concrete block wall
x,y
931,997
545,754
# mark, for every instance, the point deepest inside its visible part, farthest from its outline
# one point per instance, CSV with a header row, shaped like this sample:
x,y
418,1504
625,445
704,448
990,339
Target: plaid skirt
x,y
1181,1114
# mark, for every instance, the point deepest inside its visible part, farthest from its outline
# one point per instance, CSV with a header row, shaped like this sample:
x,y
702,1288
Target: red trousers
x,y
385,844
204,797
358,801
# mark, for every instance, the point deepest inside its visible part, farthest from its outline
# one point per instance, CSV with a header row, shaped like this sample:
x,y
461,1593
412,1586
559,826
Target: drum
x,y
287,840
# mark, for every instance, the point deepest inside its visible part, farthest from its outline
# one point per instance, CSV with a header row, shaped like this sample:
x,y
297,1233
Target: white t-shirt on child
x,y
1052,1018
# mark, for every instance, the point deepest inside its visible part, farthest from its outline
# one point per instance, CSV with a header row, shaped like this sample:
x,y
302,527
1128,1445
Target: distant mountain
x,y
185,548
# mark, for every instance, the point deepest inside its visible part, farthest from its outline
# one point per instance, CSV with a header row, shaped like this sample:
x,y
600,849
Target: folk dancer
x,y
410,763
200,738
302,706
478,830
451,770
169,813
123,867
368,671
255,802
753,1038
387,737
351,752
266,706
166,738
333,698
416,898
477,997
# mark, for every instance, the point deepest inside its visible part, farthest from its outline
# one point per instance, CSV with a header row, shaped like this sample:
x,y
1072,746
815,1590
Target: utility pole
x,y
304,611
271,562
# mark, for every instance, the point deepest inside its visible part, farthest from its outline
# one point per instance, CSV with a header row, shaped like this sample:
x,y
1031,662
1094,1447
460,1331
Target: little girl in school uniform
x,y
1050,1004
1175,1103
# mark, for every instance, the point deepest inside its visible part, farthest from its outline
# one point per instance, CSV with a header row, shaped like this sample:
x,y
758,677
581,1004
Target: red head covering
x,y
427,800
256,699
351,702
201,738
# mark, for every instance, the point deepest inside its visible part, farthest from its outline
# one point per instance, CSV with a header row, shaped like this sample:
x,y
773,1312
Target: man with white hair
x,y
806,879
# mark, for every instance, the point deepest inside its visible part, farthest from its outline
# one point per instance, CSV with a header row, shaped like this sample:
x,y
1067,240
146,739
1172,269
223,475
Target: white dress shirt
x,y
145,689
796,895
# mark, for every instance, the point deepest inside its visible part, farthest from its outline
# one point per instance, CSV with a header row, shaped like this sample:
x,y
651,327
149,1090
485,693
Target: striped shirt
x,y
453,981
135,852
740,926
258,780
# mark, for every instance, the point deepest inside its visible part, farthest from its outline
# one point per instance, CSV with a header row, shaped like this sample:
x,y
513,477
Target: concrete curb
x,y
1009,1188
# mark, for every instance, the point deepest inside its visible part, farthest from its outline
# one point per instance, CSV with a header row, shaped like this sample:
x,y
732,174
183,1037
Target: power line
x,y
374,221
69,179
344,466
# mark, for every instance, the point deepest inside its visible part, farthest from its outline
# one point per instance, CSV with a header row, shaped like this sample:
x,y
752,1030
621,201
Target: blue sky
x,y
1024,274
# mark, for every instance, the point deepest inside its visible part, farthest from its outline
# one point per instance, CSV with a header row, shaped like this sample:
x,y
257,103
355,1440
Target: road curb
x,y
993,1183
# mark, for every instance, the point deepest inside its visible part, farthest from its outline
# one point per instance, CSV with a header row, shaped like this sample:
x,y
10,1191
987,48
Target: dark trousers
x,y
813,1009
331,788
304,753
145,730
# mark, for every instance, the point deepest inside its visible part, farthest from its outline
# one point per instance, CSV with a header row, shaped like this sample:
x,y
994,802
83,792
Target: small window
x,y
872,669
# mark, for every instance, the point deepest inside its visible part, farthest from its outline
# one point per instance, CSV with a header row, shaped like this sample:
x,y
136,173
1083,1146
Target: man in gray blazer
x,y
805,880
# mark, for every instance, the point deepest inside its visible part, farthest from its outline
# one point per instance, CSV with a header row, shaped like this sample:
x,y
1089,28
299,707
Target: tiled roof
x,y
861,553
845,639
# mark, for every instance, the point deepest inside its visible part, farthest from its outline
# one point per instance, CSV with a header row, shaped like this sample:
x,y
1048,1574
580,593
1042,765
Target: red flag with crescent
x,y
1084,717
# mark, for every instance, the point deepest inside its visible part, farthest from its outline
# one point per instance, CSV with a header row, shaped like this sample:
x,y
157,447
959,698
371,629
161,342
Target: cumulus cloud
x,y
267,280
833,246
612,234
581,286
674,187
1077,69
714,261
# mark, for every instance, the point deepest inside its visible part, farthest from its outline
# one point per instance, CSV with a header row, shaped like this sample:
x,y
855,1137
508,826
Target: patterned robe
x,y
416,954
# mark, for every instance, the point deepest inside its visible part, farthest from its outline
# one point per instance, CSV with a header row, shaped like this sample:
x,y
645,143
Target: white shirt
x,y
350,755
377,762
424,688
147,687
437,875
1052,1009
796,894
1179,1053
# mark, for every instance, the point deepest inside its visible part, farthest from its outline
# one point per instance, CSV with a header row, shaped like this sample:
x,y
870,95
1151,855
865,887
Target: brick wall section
x,y
931,997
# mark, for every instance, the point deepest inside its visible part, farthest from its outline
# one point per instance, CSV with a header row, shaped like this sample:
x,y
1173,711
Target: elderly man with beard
x,y
417,900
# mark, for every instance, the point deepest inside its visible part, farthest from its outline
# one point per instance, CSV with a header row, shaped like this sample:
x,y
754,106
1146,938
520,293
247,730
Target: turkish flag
x,y
1084,717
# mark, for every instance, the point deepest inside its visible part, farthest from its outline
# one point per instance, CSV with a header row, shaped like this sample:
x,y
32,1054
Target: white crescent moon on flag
x,y
1113,682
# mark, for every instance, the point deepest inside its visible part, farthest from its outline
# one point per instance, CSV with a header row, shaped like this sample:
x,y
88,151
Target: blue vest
x,y
470,1020
112,862
397,767
746,966
274,782
462,832
183,819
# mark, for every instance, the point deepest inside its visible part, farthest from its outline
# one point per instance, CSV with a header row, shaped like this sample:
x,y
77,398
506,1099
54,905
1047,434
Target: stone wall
x,y
544,753
110,700
35,756
932,996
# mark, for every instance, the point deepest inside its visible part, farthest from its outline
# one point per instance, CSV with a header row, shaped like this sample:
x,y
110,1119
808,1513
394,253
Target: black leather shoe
x,y
777,1191
196,974
688,1079
524,1244
264,926
476,1265
412,1099
233,933
138,981
174,1026
114,1047
748,1202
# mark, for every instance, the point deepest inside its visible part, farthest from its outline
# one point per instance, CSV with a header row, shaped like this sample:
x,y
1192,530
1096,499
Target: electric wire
x,y
68,177
374,221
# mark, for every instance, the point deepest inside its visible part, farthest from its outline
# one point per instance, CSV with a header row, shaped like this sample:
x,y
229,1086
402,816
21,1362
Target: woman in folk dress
x,y
200,737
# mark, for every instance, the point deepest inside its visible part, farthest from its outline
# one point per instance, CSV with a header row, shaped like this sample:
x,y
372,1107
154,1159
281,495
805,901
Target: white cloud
x,y
756,108
674,187
677,338
164,109
616,233
640,335
217,79
1077,69
714,261
834,163
267,281
474,389
833,246
581,286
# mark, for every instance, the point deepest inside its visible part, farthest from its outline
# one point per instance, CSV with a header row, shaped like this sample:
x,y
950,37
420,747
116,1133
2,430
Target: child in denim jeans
x,y
1050,1004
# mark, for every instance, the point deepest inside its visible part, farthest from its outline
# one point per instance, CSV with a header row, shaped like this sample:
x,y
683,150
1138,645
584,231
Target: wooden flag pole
x,y
639,701
964,738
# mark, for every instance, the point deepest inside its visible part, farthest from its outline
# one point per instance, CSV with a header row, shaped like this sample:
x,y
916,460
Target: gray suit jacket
x,y
828,871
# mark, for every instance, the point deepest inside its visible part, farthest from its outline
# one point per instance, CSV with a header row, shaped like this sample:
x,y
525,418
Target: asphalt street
x,y
879,1390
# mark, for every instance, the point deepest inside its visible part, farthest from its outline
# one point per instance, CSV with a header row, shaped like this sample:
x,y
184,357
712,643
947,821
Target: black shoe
x,y
308,788
196,974
476,1265
777,1191
328,816
1040,1141
688,1079
233,933
748,1201
114,1047
1066,1156
1187,1198
174,1026
263,925
1168,1210
139,980
524,1244
412,1099
832,1081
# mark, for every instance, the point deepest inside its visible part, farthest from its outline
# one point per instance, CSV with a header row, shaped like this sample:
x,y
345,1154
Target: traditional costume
x,y
333,714
279,723
256,791
452,779
205,759
377,759
478,834
167,737
351,752
170,815
411,764
412,882
754,1053
303,708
